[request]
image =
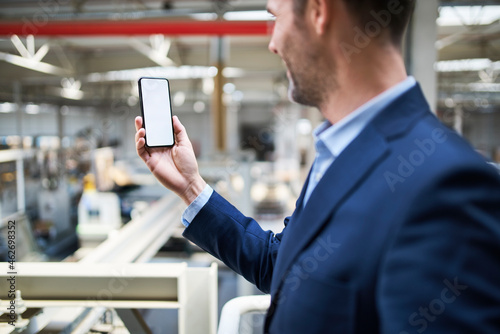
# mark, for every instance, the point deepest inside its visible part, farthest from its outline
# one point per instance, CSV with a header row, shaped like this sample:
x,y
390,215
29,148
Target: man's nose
x,y
272,46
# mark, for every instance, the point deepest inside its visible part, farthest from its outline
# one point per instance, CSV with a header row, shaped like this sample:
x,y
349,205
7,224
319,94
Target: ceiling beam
x,y
157,52
127,28
472,32
33,64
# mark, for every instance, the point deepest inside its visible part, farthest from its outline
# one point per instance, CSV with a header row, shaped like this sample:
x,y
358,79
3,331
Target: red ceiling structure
x,y
135,28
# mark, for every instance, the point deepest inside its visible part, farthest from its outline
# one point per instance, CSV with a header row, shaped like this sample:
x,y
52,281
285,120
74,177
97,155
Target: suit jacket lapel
x,y
345,173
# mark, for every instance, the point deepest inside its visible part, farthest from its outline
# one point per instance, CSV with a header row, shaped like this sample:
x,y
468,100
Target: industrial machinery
x,y
72,297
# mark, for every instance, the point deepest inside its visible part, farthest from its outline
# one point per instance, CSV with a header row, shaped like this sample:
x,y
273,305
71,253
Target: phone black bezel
x,y
142,111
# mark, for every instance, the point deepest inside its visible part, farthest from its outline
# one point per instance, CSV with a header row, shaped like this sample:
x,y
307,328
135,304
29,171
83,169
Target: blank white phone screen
x,y
157,112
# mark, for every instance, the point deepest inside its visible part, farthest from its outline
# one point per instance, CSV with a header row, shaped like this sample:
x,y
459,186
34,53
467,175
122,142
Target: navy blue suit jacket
x,y
401,235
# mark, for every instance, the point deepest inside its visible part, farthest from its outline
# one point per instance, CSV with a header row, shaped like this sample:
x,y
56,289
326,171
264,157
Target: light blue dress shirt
x,y
330,140
195,207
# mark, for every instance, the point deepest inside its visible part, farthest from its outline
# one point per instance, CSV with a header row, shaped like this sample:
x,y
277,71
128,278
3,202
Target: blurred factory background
x,y
69,173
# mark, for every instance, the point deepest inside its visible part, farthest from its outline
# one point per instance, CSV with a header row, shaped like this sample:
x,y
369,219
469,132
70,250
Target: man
x,y
397,229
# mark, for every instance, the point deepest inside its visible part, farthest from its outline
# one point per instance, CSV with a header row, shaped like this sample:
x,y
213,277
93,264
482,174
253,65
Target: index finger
x,y
138,123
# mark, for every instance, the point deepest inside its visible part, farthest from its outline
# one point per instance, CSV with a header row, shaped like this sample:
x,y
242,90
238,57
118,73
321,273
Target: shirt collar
x,y
336,137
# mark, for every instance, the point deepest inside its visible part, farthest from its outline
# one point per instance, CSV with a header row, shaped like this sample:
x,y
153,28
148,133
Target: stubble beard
x,y
310,79
303,91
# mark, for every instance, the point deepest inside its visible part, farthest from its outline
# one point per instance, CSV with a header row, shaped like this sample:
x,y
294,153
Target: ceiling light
x,y
199,107
238,96
204,16
132,100
32,109
251,15
304,126
179,99
463,65
229,88
208,86
7,107
487,87
212,71
71,94
233,72
71,89
468,15
169,72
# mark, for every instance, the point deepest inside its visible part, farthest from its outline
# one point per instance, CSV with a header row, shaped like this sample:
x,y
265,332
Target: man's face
x,y
292,41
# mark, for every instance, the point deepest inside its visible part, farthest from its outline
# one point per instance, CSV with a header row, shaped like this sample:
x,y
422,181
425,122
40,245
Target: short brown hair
x,y
365,10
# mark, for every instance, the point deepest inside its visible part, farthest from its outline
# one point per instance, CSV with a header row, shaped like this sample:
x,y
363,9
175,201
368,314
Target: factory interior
x,y
100,239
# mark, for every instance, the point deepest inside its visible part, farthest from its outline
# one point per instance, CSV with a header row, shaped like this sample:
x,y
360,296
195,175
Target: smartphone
x,y
156,109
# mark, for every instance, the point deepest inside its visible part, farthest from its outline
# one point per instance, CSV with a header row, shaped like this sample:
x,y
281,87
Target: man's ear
x,y
319,14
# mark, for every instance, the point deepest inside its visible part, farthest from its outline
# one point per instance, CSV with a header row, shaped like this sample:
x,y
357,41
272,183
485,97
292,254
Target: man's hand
x,y
175,167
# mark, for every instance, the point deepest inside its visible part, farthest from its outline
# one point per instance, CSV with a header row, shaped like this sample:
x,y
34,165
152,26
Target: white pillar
x,y
21,195
421,50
